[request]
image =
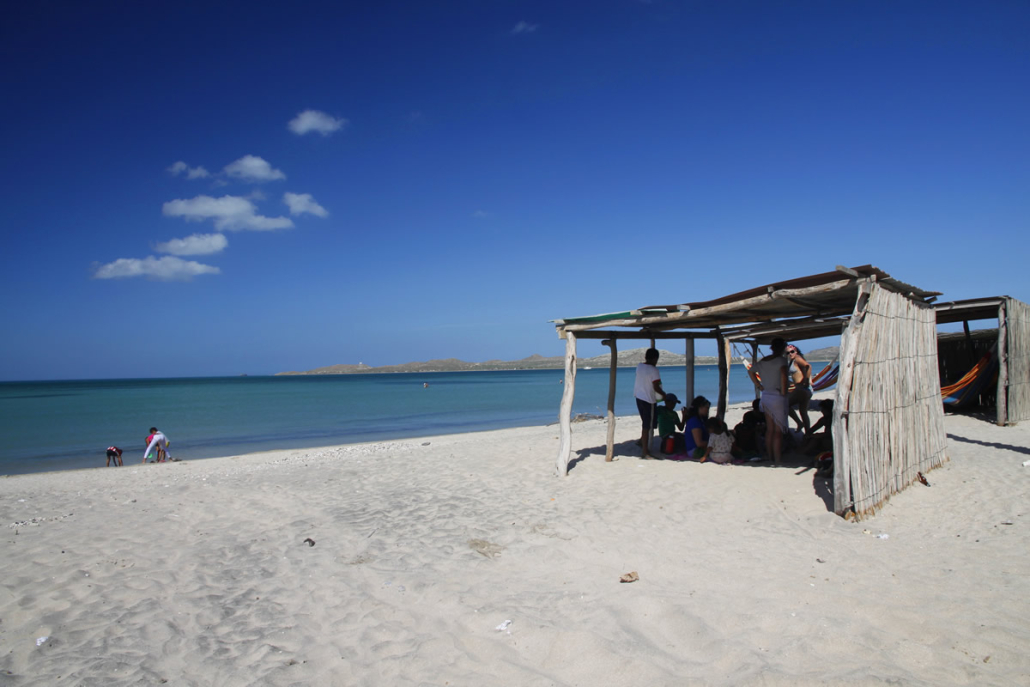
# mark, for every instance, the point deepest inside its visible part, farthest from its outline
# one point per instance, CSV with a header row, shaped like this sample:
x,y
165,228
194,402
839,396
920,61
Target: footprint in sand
x,y
485,548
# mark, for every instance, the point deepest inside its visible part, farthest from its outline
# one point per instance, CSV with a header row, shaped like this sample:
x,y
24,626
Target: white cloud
x,y
480,214
197,244
313,120
303,202
230,213
191,172
158,269
525,27
253,168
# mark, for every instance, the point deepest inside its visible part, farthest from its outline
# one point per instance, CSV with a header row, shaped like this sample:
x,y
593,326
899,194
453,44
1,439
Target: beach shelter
x,y
888,422
989,365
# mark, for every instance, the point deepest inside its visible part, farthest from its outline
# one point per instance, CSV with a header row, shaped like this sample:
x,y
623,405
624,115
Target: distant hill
x,y
826,354
627,358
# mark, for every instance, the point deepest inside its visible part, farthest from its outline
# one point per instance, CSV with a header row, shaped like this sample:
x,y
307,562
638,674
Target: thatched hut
x,y
888,423
1001,353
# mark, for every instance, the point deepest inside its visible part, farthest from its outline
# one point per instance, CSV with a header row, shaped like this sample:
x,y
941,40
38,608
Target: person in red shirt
x,y
114,453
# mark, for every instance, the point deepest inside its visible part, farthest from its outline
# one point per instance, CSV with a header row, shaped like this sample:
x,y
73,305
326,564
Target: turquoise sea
x,y
65,425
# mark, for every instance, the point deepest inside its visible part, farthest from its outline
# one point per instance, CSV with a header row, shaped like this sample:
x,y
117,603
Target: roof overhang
x,y
972,309
804,308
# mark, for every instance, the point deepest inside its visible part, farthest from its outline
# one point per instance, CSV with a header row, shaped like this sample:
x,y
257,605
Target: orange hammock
x,y
971,383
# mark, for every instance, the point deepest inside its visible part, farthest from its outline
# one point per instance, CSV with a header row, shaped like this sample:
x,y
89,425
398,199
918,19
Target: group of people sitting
x,y
692,434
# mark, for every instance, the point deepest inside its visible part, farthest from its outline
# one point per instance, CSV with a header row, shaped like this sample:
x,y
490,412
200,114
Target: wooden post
x,y
689,363
653,344
613,369
842,496
754,361
1003,365
724,374
565,414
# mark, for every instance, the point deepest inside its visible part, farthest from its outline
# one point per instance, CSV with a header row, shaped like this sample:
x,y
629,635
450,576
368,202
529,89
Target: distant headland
x,y
629,358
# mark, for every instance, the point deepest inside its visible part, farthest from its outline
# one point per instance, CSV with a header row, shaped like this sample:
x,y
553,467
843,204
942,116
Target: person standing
x,y
770,376
158,439
801,396
646,388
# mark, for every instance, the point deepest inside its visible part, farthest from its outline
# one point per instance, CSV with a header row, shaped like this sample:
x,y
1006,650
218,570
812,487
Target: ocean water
x,y
65,425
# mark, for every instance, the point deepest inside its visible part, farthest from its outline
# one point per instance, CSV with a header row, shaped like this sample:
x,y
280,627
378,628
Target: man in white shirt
x,y
647,388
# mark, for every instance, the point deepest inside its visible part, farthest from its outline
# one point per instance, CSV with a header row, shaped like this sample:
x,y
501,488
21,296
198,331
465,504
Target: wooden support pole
x,y
609,450
653,345
689,364
724,375
1003,365
754,360
843,499
565,414
971,355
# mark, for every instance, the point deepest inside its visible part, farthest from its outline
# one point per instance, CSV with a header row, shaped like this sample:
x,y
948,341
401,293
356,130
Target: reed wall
x,y
1018,350
888,419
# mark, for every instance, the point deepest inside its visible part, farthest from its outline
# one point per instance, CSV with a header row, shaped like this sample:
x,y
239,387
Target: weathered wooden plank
x,y
609,450
724,376
1003,365
565,412
842,498
688,352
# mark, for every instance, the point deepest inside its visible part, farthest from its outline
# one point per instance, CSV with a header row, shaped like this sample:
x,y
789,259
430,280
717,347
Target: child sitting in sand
x,y
720,443
816,442
749,434
668,423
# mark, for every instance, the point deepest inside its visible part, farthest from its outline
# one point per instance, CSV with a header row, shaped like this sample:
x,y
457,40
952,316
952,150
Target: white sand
x,y
197,573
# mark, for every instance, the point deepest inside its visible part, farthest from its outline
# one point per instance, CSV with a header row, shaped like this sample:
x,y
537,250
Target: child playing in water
x,y
720,443
114,453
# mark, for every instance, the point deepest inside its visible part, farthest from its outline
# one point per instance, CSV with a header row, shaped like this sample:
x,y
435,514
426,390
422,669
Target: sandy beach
x,y
463,560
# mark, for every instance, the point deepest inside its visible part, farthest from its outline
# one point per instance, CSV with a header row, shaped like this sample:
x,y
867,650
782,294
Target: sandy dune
x,y
197,573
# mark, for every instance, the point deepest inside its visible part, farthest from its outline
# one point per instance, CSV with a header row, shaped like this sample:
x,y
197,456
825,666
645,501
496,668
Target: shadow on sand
x,y
988,444
629,450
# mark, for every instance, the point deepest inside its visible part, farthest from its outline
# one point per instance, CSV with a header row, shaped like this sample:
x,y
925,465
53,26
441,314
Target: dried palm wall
x,y
1017,324
888,422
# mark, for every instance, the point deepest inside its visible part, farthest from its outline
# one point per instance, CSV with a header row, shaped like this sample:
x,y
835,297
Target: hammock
x,y
827,377
972,383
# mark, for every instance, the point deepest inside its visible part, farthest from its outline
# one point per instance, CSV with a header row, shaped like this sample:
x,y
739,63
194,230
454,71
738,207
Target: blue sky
x,y
305,184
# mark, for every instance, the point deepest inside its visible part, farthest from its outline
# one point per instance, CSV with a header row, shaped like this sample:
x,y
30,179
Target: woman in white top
x,y
770,375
